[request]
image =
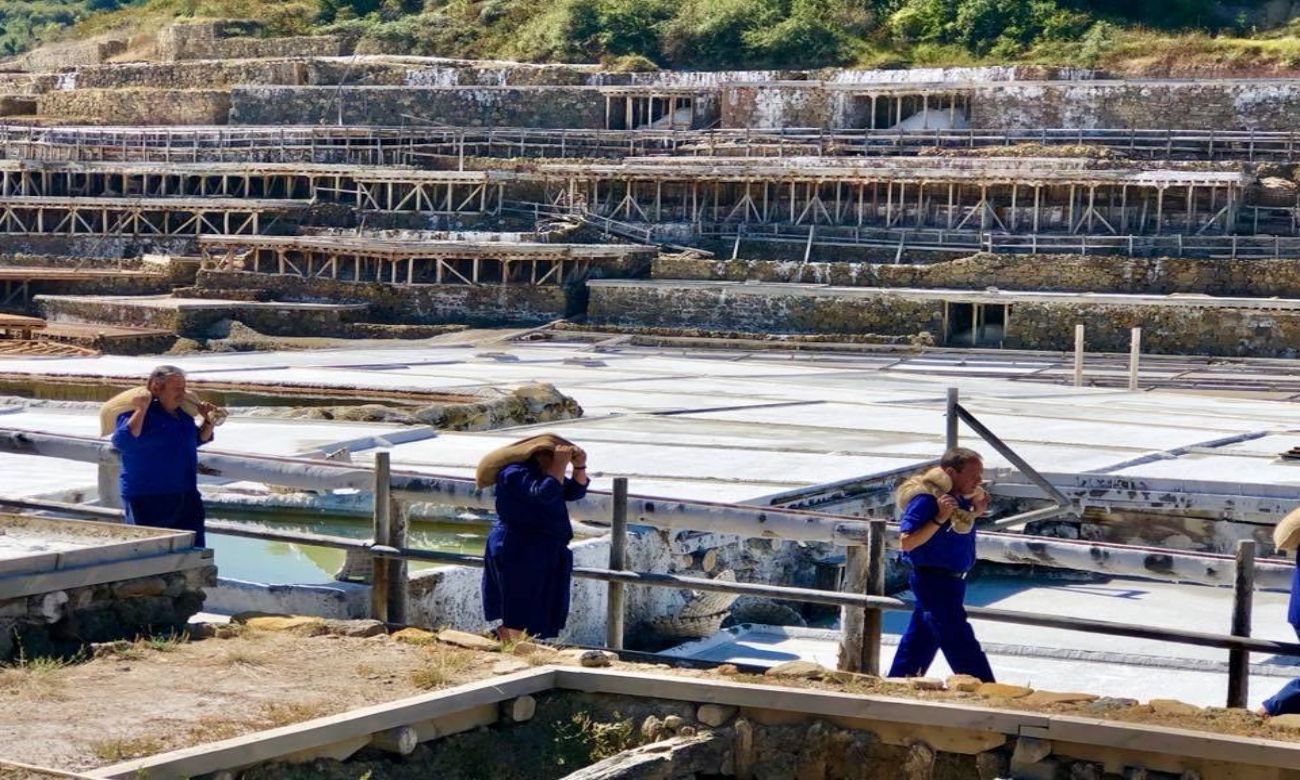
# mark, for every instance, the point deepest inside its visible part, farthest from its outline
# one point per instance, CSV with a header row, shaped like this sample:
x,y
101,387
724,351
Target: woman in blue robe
x,y
528,565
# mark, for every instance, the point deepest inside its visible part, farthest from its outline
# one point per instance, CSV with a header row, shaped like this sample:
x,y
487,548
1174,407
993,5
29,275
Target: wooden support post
x,y
398,576
379,583
614,611
853,619
951,419
1134,355
1078,355
1243,592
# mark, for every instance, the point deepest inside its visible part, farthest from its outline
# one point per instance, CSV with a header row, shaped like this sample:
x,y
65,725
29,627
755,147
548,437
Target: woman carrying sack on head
x,y
528,564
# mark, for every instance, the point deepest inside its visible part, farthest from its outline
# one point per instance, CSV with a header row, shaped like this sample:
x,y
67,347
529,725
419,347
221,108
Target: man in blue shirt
x,y
159,446
938,542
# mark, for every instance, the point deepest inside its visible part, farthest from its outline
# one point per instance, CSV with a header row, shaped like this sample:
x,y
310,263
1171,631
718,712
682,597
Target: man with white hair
x,y
159,445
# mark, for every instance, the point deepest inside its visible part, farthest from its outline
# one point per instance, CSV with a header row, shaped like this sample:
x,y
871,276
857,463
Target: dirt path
x,y
154,696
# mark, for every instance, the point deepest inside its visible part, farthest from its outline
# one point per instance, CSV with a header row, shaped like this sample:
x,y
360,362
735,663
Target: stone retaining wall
x,y
232,39
429,304
553,107
190,75
1191,105
138,106
1188,327
1066,273
760,309
62,622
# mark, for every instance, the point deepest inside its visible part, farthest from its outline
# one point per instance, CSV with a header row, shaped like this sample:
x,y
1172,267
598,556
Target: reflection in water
x,y
258,560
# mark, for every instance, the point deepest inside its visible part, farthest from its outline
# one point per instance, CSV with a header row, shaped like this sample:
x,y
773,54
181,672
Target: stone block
x,y
468,640
1172,707
144,586
413,636
1003,690
804,670
1030,750
300,624
596,659
355,628
519,709
715,715
1038,698
964,682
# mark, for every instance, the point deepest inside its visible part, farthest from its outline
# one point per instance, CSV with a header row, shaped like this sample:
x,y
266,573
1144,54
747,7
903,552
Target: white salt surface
x,y
14,546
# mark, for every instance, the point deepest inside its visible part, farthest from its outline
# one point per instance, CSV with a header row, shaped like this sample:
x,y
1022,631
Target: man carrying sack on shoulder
x,y
939,508
155,432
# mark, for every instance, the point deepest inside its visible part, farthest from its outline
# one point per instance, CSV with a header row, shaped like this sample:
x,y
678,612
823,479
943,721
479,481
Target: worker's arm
x,y
130,427
922,532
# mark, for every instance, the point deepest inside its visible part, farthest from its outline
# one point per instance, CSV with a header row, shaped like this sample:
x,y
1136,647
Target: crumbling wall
x,y
232,39
761,308
1259,104
73,54
1065,273
554,107
62,622
138,106
427,304
191,75
1166,329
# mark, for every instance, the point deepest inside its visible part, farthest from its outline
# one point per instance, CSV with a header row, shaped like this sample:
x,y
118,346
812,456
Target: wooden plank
x,y
815,702
271,745
82,576
455,723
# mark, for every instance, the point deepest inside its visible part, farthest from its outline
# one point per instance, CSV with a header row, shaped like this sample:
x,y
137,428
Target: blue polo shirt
x,y
947,549
532,501
164,459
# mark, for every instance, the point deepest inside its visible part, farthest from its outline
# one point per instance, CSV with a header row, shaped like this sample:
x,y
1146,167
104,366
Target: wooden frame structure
x,y
1009,196
398,262
137,216
405,145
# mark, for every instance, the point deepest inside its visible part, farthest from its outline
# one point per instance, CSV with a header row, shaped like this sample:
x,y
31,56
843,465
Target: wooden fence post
x,y
399,582
864,573
614,605
380,534
1243,592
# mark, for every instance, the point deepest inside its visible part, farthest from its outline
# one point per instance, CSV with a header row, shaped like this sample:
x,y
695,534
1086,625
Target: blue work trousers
x,y
1285,701
177,511
939,623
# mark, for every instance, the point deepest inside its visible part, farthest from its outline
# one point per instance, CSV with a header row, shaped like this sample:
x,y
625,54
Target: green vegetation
x,y
639,34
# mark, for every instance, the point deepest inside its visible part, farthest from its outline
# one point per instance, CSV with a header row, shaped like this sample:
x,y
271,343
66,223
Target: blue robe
x,y
528,566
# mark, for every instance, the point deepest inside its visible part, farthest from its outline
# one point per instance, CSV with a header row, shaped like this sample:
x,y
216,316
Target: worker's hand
x,y
579,457
980,504
564,454
205,410
141,402
947,505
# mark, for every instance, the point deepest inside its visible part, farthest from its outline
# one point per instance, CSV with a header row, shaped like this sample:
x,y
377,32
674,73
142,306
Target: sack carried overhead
x,y
937,483
519,452
124,402
1286,534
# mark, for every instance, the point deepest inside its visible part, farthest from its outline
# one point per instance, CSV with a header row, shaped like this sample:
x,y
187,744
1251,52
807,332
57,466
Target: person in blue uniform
x,y
528,565
937,536
159,445
1286,537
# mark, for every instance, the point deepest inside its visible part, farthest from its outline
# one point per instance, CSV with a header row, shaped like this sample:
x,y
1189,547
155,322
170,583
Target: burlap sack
x,y
937,483
519,452
124,402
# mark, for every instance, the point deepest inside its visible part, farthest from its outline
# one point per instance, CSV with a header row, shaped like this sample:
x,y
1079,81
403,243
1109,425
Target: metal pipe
x,y
1010,454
